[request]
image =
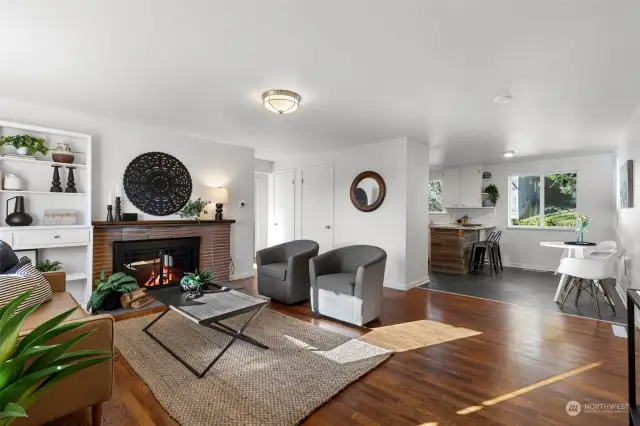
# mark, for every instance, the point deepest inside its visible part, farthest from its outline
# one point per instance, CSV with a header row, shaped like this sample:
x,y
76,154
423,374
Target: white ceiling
x,y
367,70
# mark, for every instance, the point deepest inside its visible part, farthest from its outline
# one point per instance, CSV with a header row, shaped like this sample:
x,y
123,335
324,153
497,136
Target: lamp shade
x,y
219,195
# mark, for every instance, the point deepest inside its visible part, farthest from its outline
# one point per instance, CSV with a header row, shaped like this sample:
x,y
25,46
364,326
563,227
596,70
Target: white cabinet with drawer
x,y
46,237
50,238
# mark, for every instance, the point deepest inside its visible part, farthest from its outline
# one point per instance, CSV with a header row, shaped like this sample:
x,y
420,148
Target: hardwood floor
x,y
522,369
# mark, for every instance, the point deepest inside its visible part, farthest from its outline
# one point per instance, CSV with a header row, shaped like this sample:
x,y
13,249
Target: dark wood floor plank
x,y
518,348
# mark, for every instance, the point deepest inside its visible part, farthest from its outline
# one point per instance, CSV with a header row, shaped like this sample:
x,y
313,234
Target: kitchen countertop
x,y
456,226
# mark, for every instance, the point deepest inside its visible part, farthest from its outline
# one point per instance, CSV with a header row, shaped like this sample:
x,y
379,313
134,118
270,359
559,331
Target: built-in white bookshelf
x,y
69,244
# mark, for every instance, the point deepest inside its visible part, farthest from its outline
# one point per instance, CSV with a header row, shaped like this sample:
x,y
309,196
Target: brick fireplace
x,y
214,252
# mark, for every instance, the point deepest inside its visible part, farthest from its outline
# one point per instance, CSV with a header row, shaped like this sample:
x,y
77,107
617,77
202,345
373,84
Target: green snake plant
x,y
21,384
118,282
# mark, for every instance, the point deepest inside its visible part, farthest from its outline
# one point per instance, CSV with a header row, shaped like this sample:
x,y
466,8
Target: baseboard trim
x,y
530,267
242,276
405,287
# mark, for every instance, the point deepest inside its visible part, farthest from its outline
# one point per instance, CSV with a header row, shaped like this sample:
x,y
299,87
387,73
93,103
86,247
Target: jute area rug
x,y
302,369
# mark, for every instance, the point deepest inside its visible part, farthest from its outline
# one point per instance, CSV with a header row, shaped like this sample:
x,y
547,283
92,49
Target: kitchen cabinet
x,y
462,186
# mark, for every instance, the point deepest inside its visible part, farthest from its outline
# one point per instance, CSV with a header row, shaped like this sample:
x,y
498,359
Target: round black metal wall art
x,y
157,183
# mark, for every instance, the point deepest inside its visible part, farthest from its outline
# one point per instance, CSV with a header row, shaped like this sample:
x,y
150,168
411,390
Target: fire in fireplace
x,y
156,263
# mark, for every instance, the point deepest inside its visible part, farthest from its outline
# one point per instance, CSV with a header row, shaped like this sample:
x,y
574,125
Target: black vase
x,y
18,217
111,302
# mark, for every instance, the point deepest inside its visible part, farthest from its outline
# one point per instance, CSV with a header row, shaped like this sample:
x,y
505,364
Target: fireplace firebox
x,y
157,263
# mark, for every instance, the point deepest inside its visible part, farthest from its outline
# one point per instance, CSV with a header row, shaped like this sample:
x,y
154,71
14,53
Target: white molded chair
x,y
589,275
603,249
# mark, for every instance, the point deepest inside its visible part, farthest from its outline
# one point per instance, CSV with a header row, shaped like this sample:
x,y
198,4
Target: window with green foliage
x,y
435,197
545,200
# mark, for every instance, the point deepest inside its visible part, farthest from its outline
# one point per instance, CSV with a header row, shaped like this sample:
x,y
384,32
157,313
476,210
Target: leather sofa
x,y
346,283
283,270
87,388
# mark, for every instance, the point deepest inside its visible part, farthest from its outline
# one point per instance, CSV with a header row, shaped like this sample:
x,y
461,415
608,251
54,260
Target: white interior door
x,y
317,206
283,226
261,202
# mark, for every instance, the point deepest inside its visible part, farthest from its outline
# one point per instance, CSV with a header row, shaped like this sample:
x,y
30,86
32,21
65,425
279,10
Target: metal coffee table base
x,y
214,325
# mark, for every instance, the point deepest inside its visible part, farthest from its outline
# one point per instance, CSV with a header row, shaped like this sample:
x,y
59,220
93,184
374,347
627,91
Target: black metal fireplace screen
x,y
156,263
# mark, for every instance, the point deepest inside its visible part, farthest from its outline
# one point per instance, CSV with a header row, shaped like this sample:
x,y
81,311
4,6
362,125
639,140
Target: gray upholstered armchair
x,y
283,270
346,283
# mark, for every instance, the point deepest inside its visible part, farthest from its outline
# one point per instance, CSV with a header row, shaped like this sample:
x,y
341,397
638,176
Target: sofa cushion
x,y
59,303
26,278
275,270
343,282
7,257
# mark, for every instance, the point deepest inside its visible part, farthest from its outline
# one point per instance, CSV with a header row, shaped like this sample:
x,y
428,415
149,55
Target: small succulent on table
x,y
194,208
22,383
107,292
48,265
194,282
31,144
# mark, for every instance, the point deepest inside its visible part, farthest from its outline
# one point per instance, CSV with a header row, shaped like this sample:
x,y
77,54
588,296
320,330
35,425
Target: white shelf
x,y
76,276
43,162
73,194
40,227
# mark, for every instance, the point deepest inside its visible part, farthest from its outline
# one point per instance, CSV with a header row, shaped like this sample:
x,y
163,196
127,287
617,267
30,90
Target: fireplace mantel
x,y
158,223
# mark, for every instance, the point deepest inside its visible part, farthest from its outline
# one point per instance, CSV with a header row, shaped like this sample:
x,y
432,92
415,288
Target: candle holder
x,y
56,180
71,181
109,213
118,210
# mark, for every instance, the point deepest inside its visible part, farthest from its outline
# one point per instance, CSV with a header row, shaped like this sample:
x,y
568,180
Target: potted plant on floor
x,y
107,293
21,383
25,144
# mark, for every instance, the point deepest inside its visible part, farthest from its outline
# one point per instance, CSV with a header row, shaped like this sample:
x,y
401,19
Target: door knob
x,y
275,223
328,226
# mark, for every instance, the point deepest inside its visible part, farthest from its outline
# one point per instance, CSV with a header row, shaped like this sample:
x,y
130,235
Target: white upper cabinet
x,y
462,186
471,186
451,195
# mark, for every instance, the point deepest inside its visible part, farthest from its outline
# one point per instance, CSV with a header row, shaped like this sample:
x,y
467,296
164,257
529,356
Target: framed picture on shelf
x,y
31,254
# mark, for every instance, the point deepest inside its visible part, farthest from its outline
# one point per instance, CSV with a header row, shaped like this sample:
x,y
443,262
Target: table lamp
x,y
219,196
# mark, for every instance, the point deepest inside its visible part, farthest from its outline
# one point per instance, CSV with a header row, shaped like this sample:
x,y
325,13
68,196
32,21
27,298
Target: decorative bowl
x,y
61,157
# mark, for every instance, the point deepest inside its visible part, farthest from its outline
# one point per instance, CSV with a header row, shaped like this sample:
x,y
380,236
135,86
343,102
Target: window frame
x,y
542,226
444,210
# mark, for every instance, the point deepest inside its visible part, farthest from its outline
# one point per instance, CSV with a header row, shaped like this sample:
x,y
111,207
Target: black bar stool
x,y
479,250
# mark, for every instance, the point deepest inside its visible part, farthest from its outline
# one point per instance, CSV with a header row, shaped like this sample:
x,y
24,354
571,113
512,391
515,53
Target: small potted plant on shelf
x,y
25,144
107,293
23,383
194,283
194,208
492,193
48,265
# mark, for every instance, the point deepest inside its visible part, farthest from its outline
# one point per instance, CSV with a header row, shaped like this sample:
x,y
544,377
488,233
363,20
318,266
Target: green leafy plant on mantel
x,y
118,282
32,144
194,208
22,385
493,193
48,265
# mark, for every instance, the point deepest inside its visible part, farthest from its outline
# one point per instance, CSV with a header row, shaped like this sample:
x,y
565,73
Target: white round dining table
x,y
572,251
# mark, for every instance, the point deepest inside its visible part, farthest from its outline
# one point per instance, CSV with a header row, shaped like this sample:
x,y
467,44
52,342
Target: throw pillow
x,y
25,278
7,257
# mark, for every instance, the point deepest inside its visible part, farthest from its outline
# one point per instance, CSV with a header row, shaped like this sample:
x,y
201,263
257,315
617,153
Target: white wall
x,y
628,231
417,249
261,201
263,166
385,227
115,144
521,247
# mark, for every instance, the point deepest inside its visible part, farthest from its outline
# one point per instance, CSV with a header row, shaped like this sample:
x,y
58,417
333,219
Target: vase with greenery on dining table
x,y
582,221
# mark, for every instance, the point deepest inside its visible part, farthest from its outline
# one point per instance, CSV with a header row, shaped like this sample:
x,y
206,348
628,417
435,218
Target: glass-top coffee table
x,y
208,311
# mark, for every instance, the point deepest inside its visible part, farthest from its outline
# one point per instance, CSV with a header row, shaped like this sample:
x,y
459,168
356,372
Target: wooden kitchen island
x,y
451,246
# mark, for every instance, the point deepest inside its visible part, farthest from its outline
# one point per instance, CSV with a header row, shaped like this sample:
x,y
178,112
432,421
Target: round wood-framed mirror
x,y
368,191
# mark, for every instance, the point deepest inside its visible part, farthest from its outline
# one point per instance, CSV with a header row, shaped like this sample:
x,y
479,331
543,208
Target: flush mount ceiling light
x,y
508,154
502,99
280,101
